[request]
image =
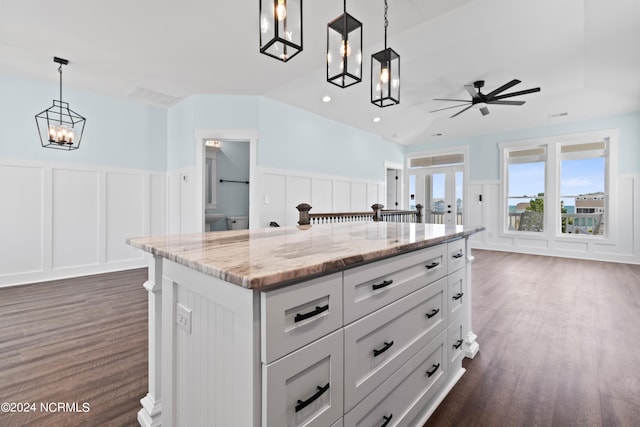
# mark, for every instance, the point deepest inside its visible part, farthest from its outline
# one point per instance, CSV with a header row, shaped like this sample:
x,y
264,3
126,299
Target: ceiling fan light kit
x,y
281,28
344,50
481,100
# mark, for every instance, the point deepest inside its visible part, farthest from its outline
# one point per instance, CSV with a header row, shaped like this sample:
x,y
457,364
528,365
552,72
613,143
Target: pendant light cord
x,y
60,72
386,23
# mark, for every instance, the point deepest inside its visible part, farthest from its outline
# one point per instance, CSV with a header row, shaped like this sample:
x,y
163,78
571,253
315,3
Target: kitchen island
x,y
324,325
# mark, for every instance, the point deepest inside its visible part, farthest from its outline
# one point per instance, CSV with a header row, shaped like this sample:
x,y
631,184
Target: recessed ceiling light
x,y
326,98
376,119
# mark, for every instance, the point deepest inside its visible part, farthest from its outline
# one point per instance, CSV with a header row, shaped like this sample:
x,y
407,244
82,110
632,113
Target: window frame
x,y
553,158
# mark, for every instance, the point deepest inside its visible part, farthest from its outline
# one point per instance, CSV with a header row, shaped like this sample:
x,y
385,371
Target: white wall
x,y
60,220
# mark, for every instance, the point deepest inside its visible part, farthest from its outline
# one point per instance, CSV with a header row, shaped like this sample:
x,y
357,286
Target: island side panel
x,y
209,351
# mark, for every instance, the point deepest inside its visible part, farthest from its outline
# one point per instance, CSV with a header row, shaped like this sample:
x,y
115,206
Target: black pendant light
x,y
59,126
344,50
385,73
281,28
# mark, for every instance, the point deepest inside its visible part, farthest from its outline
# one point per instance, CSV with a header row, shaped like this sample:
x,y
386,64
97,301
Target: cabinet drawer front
x,y
377,345
372,286
406,392
294,316
457,294
305,387
457,257
455,341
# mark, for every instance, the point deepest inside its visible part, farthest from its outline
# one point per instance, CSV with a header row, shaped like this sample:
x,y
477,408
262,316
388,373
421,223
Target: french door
x,y
440,190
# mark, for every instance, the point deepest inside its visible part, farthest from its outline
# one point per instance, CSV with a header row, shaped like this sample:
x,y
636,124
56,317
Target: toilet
x,y
237,222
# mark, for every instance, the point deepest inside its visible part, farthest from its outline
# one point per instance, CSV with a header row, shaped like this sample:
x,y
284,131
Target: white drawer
x,y
378,344
457,255
296,315
456,298
305,387
455,341
372,286
403,395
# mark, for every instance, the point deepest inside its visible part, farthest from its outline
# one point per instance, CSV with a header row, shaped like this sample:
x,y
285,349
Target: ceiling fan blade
x,y
506,102
521,92
449,99
503,88
461,111
446,108
472,91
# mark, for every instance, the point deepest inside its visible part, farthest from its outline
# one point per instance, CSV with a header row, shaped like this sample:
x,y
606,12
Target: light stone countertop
x,y
262,258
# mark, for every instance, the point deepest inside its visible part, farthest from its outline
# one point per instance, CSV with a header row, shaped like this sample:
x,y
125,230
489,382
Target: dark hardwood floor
x,y
559,345
80,340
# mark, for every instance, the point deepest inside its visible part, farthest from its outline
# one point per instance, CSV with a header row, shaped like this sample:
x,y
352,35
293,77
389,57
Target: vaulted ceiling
x,y
583,54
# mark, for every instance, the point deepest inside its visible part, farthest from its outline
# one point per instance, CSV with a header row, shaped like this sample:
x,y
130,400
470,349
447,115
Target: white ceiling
x,y
584,54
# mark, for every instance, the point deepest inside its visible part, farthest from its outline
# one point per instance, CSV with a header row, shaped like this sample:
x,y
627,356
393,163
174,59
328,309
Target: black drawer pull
x,y
300,317
433,313
457,344
303,404
456,256
387,346
433,371
432,265
387,420
458,296
382,285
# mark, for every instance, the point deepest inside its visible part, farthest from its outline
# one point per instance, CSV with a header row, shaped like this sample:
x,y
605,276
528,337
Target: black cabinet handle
x,y
300,317
382,285
387,346
458,296
457,344
456,256
432,265
433,371
387,420
304,403
433,313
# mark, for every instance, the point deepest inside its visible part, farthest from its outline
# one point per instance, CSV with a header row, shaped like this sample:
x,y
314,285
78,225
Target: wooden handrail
x,y
376,214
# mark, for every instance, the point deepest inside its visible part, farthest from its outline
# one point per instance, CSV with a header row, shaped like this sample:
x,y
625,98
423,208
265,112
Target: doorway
x,y
438,187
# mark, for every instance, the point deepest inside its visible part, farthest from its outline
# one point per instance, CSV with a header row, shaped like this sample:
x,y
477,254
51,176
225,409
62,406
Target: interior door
x,y
440,190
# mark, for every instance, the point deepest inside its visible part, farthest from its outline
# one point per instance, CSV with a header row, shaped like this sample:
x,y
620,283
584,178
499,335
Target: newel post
x,y
419,213
376,211
303,210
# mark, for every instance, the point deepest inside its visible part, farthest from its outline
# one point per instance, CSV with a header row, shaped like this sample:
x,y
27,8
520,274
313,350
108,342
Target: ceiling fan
x,y
482,100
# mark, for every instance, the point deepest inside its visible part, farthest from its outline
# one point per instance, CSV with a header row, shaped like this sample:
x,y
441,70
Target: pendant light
x,y
344,50
385,72
59,126
281,28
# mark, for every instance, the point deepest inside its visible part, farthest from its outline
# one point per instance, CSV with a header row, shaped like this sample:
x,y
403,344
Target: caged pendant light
x,y
344,50
385,72
281,28
59,126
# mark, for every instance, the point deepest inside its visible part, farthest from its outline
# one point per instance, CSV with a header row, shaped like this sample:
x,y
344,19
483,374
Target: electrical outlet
x,y
183,317
267,200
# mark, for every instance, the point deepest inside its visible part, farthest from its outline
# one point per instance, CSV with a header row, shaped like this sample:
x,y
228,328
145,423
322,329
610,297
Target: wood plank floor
x,y
77,340
559,345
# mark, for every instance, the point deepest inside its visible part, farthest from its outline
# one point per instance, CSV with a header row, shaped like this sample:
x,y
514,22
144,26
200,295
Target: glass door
x,y
440,191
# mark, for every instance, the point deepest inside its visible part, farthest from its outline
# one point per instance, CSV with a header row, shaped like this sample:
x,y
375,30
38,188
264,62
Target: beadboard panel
x,y
21,222
59,220
621,244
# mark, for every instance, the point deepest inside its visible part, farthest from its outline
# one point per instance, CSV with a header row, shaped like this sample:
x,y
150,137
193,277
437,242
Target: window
x,y
583,188
558,186
525,189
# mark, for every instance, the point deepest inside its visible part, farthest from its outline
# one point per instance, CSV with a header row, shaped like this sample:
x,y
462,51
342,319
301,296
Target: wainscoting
x,y
60,220
621,244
